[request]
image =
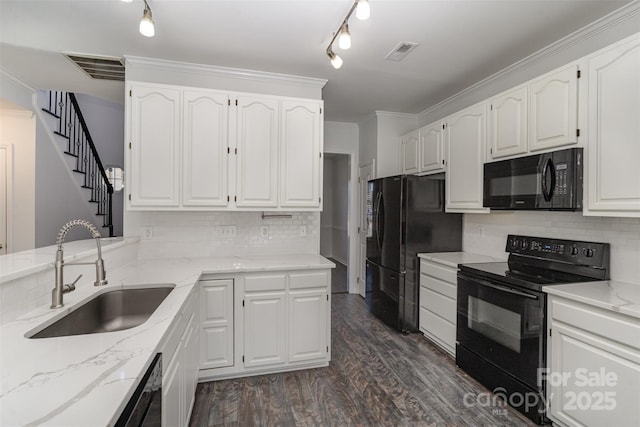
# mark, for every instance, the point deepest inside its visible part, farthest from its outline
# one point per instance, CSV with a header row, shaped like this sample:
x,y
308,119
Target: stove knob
x,y
589,253
524,244
514,243
574,251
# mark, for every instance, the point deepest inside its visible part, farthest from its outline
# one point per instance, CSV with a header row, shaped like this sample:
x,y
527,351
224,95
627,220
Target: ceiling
x,y
460,42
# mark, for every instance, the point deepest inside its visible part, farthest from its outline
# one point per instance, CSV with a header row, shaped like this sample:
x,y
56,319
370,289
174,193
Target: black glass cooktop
x,y
523,276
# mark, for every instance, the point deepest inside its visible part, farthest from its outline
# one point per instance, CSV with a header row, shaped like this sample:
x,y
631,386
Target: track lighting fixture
x,y
362,10
344,41
146,23
336,61
361,7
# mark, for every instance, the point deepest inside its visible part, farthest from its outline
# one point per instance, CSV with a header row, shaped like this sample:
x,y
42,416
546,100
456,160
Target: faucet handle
x,y
71,286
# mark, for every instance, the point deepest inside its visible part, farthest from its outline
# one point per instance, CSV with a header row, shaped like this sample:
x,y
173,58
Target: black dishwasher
x,y
145,407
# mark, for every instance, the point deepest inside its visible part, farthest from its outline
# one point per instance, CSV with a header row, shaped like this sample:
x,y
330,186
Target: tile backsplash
x,y
487,234
194,234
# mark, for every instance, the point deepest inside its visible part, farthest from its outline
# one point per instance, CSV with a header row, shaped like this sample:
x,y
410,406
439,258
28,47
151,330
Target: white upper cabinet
x,y
410,156
431,148
257,144
154,143
200,149
300,151
508,131
422,150
554,109
613,149
465,134
205,146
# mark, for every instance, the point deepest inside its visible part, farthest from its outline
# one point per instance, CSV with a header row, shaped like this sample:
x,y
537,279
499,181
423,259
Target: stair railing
x,y
72,127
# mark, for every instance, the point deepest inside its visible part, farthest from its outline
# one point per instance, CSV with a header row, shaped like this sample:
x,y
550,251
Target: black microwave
x,y
546,181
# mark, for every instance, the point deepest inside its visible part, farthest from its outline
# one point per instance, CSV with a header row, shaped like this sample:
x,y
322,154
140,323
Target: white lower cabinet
x,y
594,363
438,291
255,323
216,323
180,366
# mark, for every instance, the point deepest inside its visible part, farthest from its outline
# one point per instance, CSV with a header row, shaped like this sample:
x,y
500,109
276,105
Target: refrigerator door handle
x,y
381,220
377,210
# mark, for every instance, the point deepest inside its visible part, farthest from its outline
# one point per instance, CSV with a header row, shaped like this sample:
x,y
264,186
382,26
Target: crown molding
x,y
394,115
341,124
17,80
218,71
626,12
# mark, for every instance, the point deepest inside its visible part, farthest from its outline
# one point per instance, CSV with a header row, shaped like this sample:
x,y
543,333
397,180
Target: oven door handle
x,y
503,289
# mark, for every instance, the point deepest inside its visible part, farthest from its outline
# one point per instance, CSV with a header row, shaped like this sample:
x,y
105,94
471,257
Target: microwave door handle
x,y
503,289
546,192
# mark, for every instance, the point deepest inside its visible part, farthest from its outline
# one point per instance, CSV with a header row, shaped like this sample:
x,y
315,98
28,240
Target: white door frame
x,y
352,218
6,194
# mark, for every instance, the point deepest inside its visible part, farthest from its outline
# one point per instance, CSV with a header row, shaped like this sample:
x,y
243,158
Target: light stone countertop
x,y
453,259
87,380
611,295
20,264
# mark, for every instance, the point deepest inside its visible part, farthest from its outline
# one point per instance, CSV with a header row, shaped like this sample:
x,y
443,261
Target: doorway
x,y
334,219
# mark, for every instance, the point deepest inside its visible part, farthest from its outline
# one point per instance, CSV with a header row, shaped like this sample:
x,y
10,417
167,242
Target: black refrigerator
x,y
405,216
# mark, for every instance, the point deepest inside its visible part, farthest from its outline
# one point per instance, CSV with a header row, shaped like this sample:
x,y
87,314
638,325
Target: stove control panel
x,y
571,251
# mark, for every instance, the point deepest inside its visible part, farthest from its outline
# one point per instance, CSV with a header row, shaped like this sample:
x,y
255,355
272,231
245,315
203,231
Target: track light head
x,y
146,23
344,40
336,61
362,10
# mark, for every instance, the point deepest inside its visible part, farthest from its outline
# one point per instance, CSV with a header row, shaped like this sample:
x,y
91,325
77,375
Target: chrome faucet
x,y
60,288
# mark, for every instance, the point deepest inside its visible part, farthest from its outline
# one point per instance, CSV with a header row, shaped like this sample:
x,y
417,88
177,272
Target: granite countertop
x,y
453,259
611,295
88,379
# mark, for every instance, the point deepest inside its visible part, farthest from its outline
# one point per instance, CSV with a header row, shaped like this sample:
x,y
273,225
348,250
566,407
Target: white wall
x,y
105,121
326,216
340,220
368,140
487,234
18,130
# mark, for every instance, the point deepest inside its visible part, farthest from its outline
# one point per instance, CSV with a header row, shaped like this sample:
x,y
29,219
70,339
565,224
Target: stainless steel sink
x,y
114,310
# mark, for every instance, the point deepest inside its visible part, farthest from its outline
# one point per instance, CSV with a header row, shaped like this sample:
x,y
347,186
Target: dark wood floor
x,y
377,378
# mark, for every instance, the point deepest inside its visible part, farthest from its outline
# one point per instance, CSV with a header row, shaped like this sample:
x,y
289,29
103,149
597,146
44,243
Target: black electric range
x,y
501,324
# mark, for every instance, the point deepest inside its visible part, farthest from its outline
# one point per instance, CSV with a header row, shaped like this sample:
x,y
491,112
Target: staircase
x,y
79,145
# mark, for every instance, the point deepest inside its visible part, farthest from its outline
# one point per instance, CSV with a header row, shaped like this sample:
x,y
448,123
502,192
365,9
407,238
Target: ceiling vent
x,y
399,52
99,67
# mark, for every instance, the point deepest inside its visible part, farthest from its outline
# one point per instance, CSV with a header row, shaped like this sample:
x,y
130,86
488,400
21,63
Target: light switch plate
x,y
303,230
264,231
147,233
227,230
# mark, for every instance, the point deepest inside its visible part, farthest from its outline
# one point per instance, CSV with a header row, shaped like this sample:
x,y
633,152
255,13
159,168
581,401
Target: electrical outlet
x,y
303,230
264,231
147,233
227,230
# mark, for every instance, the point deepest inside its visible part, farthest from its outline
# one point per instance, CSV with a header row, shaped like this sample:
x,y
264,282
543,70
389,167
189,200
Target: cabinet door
x,y
554,109
508,129
308,325
205,145
257,157
466,138
612,172
430,148
172,392
264,329
410,156
300,151
216,316
155,146
611,396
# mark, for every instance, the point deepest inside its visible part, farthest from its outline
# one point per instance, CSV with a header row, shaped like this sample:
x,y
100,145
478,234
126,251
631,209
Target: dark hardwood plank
x,y
377,377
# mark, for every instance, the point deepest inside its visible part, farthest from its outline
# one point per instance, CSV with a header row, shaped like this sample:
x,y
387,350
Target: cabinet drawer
x,y
264,282
316,279
438,330
445,288
439,271
613,326
438,304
